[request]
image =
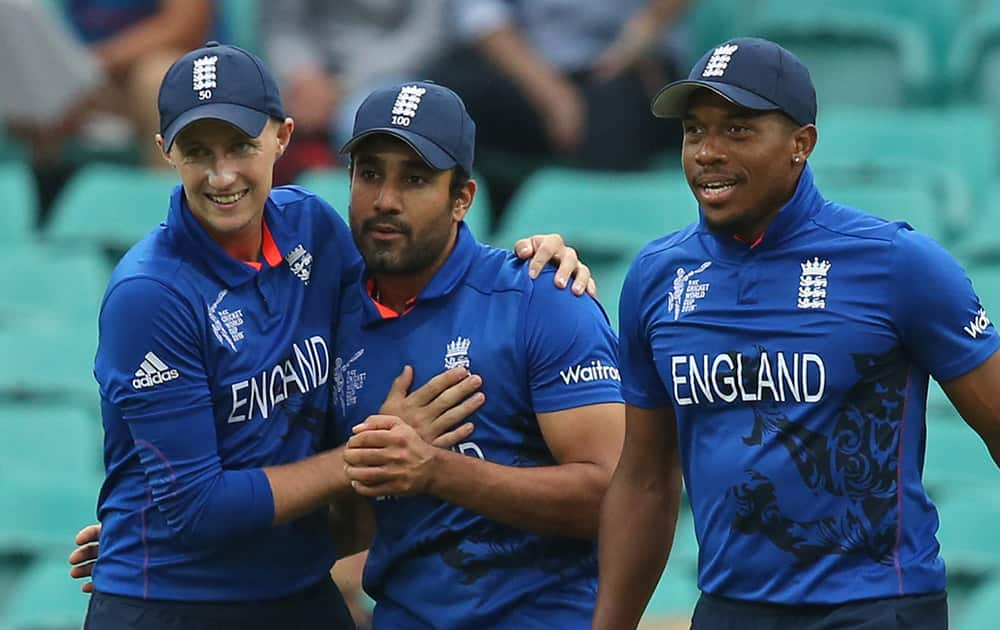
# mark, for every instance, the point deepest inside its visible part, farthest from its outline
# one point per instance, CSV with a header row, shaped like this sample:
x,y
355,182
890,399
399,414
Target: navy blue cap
x,y
221,82
752,72
429,117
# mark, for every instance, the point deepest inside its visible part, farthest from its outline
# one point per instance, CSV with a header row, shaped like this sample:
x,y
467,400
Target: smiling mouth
x,y
225,200
716,190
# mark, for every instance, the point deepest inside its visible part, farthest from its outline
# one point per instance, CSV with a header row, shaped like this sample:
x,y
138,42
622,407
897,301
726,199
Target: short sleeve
x,y
641,383
942,323
149,359
571,350
475,19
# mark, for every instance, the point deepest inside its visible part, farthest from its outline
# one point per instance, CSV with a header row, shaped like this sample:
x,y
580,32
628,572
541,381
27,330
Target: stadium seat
x,y
48,365
334,186
677,591
20,212
913,205
606,216
974,61
856,56
35,293
110,206
42,517
37,435
981,609
46,598
968,533
956,459
981,247
986,282
609,276
241,24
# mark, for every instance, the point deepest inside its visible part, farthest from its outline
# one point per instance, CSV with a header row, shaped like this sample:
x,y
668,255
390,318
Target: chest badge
x,y
813,283
687,290
456,353
227,326
348,381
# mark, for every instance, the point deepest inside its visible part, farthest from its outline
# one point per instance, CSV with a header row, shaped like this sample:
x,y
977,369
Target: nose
x,y
388,198
710,151
223,174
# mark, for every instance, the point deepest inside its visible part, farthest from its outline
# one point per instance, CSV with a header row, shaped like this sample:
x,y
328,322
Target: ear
x,y
285,135
463,200
163,151
803,142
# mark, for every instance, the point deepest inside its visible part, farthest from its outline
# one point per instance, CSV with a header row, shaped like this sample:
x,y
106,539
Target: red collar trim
x,y
383,310
272,255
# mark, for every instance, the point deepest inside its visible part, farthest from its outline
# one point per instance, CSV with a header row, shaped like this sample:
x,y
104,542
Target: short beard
x,y
414,257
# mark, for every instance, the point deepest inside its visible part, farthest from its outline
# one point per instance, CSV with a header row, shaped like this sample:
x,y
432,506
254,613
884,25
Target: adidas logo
x,y
152,372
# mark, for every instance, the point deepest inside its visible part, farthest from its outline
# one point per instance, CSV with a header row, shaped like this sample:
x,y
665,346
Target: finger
x,y
524,248
455,394
592,288
400,385
367,476
447,420
582,279
434,387
569,266
378,490
83,554
82,570
354,457
89,534
88,587
375,422
546,247
451,438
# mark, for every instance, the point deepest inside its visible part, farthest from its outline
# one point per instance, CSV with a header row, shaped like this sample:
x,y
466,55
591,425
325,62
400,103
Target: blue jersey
x,y
210,370
798,372
433,564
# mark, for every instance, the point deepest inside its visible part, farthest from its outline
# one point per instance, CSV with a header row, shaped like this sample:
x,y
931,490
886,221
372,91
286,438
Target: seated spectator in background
x,y
330,55
566,79
131,42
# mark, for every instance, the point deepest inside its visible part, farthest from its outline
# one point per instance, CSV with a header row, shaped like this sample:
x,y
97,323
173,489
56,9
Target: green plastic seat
x,y
857,54
609,276
956,459
986,282
20,212
48,365
46,598
981,247
605,216
913,205
981,609
974,61
110,206
41,517
334,186
36,435
241,24
35,293
968,531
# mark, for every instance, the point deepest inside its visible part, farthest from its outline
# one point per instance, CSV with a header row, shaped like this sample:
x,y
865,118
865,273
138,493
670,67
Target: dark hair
x,y
459,178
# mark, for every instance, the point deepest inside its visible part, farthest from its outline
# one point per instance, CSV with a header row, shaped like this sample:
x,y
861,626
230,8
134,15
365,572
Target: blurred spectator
x,y
132,42
566,79
330,55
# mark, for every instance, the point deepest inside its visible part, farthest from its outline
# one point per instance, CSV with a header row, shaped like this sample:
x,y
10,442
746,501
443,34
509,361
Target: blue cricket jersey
x,y
433,564
798,372
210,370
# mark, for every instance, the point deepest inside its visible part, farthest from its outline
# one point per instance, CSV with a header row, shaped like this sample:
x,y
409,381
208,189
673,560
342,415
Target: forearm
x,y
513,57
307,485
352,524
638,520
177,28
562,500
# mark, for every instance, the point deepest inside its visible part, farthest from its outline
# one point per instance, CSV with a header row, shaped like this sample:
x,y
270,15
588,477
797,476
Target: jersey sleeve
x,y
641,383
941,321
149,366
570,350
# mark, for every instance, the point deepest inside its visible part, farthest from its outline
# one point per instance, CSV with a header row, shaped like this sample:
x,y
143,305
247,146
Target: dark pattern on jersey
x,y
857,460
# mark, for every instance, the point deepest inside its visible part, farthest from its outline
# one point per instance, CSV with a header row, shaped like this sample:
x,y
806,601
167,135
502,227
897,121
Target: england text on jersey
x,y
732,377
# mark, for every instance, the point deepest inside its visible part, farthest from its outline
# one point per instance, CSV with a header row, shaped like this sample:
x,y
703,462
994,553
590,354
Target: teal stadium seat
x,y
46,288
110,206
605,216
982,608
241,24
986,282
48,365
916,206
974,61
46,598
57,443
968,533
20,212
950,150
334,186
956,461
981,246
858,52
41,517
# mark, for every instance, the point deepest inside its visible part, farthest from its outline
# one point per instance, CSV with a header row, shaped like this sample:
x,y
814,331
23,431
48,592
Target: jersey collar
x,y
805,202
447,279
196,242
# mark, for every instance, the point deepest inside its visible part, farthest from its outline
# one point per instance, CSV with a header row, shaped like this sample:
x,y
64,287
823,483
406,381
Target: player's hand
x,y
545,248
85,555
386,456
437,406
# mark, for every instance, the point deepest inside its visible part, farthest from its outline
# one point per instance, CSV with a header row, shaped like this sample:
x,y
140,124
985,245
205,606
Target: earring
x,y
796,159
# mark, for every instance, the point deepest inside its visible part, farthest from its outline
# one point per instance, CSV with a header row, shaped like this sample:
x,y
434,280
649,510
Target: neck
x,y
396,290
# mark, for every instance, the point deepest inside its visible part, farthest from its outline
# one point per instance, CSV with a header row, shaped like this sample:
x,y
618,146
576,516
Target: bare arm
x,y
639,35
179,25
976,396
638,518
563,499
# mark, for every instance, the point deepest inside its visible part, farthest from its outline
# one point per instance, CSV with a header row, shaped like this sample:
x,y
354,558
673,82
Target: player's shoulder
x,y
847,221
157,257
495,270
667,249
